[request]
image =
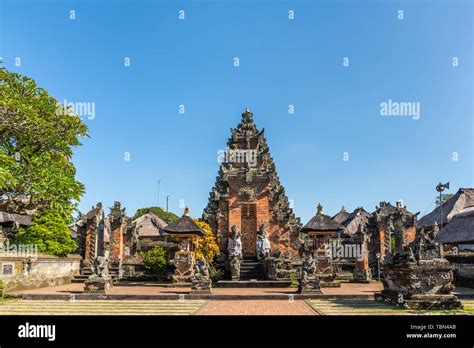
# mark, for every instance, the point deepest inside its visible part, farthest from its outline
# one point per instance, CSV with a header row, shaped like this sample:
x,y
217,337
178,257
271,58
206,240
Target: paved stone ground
x,y
368,307
153,289
213,307
25,307
257,307
354,307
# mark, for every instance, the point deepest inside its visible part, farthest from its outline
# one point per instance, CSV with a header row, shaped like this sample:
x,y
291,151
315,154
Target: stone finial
x,y
247,109
186,211
343,209
320,209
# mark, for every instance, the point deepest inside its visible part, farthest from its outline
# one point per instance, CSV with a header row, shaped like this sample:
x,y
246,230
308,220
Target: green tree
x,y
444,197
3,286
166,216
157,261
37,137
50,233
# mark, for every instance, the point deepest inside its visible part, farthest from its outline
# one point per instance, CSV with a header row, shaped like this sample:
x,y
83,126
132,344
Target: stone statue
x,y
263,244
201,283
389,232
136,241
101,266
201,269
309,282
425,246
100,280
309,268
399,225
234,249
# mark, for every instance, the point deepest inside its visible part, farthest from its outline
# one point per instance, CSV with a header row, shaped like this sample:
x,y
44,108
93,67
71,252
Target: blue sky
x,y
190,62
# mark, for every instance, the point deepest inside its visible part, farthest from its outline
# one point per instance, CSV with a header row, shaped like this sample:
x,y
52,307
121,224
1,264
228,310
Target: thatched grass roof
x,y
322,223
460,229
149,225
341,216
185,225
462,199
359,217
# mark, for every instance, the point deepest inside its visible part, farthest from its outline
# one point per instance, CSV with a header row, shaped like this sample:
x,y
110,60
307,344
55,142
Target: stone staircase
x,y
86,272
251,269
253,276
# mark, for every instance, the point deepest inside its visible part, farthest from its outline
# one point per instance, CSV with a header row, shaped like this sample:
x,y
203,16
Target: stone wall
x,y
26,273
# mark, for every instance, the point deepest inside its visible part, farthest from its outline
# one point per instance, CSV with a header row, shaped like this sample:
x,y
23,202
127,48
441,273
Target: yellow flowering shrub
x,y
206,245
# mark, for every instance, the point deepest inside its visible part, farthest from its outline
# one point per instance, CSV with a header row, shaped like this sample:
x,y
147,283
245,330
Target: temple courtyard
x,y
142,298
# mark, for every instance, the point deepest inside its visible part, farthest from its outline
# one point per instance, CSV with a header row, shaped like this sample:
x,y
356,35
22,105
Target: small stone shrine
x,y
320,234
417,276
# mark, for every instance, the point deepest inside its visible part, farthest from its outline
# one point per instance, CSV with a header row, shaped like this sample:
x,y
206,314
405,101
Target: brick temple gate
x,y
248,194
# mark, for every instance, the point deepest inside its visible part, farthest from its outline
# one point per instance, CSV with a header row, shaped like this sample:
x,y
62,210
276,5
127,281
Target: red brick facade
x,y
250,194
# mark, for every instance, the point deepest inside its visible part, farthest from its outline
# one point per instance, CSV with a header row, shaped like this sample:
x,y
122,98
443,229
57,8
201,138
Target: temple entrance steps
x,y
254,283
85,272
253,276
251,269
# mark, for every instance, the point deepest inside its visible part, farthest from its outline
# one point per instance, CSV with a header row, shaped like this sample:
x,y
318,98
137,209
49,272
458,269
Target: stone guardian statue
x,y
201,282
234,249
263,244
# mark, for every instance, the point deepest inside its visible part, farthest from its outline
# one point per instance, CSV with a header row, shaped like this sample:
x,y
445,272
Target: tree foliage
x,y
166,216
157,260
50,233
37,136
207,245
3,286
444,197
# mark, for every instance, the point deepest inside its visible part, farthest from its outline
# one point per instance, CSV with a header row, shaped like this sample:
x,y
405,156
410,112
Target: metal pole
x,y
158,203
440,212
167,200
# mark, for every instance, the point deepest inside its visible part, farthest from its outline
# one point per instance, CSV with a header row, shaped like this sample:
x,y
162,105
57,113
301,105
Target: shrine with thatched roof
x,y
186,232
320,233
441,215
459,230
